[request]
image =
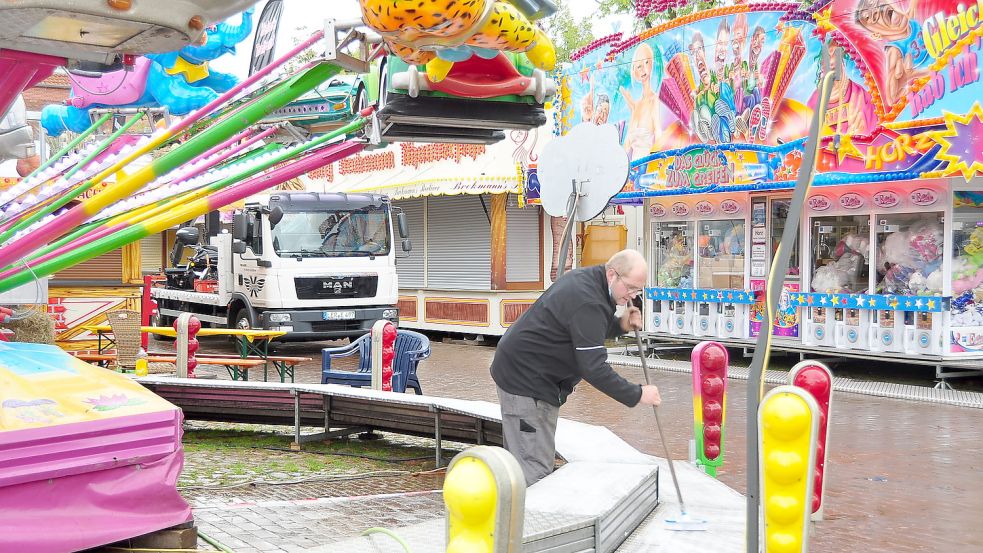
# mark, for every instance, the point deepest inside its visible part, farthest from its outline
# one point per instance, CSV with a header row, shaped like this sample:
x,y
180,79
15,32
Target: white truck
x,y
316,265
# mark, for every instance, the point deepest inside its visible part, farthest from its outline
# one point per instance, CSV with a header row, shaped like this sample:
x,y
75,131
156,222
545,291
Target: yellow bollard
x,y
788,424
484,493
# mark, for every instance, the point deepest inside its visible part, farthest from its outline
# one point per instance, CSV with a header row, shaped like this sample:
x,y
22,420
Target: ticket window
x,y
840,248
720,254
672,255
908,256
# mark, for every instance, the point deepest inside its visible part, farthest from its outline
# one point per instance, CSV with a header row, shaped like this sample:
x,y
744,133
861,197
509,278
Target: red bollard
x,y
383,354
710,361
187,327
816,378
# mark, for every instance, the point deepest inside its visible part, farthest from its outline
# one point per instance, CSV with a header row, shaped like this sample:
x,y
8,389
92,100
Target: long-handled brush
x,y
685,522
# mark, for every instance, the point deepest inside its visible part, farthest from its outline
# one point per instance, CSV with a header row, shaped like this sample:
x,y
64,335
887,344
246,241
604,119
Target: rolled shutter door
x,y
458,243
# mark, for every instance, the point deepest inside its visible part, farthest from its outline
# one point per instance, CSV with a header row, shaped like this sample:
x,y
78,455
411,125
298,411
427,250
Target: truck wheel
x,y
242,321
159,320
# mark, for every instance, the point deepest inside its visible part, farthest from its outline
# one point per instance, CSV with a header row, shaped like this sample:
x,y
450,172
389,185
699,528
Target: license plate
x,y
338,315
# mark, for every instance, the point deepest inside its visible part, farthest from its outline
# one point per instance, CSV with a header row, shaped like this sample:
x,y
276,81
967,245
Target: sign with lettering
x,y
730,207
657,210
886,198
819,203
680,209
923,196
703,207
852,200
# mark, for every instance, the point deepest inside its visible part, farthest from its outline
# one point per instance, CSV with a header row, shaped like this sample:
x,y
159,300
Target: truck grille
x,y
338,326
319,288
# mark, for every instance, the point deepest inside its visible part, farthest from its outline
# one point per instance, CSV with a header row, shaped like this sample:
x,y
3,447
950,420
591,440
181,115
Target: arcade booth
x,y
714,110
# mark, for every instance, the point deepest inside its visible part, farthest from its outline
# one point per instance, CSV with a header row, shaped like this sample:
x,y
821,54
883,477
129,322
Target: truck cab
x,y
317,265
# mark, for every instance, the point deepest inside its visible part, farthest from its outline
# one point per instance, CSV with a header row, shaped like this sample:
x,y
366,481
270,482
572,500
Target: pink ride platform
x,y
87,456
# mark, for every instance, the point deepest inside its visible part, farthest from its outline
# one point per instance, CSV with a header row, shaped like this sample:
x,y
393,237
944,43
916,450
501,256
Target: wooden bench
x,y
284,365
235,365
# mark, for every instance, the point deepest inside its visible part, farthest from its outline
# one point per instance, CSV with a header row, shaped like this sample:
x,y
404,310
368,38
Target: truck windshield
x,y
341,233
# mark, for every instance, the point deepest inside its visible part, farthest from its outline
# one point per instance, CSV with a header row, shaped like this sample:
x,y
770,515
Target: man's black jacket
x,y
560,340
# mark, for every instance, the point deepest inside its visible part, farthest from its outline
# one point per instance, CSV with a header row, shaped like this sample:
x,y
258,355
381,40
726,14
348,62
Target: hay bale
x,y
32,325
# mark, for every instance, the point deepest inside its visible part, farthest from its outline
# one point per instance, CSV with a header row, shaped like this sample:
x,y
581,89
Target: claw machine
x,y
672,268
720,270
966,323
909,256
767,226
839,264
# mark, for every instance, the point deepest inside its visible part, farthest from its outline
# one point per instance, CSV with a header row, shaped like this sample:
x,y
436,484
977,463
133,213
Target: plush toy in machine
x,y
839,275
967,267
678,266
966,275
706,246
733,243
912,261
967,309
926,242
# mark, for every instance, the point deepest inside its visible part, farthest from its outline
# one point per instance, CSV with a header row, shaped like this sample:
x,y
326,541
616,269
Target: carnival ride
x,y
162,140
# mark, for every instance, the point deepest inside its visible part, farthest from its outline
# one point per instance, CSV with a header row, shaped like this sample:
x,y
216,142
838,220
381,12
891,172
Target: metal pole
x,y
658,424
567,235
776,276
436,435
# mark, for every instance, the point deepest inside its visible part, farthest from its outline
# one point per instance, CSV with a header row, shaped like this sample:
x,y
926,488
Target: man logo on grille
x,y
337,286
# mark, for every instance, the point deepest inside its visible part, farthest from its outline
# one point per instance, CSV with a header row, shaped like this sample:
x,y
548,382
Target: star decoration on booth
x,y
585,74
962,142
846,149
823,21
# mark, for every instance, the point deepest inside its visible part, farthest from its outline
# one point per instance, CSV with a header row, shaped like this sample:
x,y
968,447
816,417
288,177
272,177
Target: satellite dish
x,y
579,174
590,158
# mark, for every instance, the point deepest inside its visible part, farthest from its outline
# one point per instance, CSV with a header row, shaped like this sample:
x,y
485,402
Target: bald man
x,y
557,343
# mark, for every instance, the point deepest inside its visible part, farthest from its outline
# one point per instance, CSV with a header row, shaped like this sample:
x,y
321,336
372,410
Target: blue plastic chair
x,y
411,348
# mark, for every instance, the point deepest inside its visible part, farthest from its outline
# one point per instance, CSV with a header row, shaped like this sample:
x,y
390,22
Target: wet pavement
x,y
902,475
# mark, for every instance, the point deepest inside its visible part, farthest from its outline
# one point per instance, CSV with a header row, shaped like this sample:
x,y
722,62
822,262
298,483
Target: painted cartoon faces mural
x,y
741,78
916,57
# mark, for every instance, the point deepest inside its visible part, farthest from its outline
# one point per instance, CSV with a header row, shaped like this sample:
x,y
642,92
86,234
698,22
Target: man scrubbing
x,y
557,343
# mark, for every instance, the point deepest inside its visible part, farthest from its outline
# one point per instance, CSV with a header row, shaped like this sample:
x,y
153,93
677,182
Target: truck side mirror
x,y
240,228
403,228
276,214
239,247
407,245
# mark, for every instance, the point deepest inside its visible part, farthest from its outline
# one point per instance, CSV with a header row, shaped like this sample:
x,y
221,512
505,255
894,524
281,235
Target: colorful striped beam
x,y
71,243
143,212
322,157
69,147
70,194
235,122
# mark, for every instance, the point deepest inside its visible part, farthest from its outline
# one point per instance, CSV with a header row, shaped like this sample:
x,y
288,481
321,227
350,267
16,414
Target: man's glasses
x,y
632,290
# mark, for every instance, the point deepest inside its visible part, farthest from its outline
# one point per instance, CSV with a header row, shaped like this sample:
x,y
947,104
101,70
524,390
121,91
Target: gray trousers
x,y
529,433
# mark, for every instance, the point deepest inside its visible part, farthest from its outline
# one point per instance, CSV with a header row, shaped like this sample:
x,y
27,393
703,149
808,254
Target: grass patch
x,y
220,456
